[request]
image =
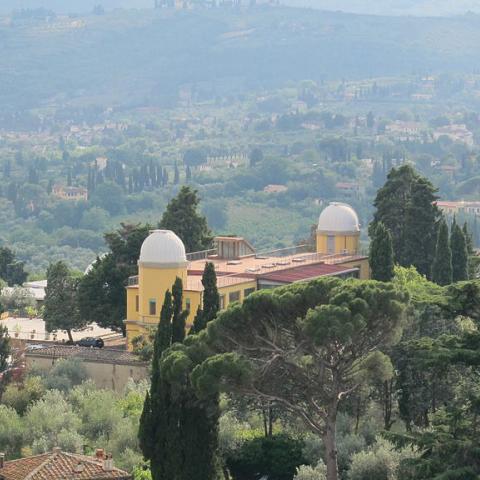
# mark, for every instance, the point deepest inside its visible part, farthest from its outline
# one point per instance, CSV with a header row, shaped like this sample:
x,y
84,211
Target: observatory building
x,y
240,269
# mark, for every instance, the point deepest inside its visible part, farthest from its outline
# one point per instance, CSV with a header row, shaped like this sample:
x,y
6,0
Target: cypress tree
x,y
458,246
146,428
468,239
420,226
442,265
178,432
179,315
381,254
165,326
198,322
160,344
153,430
176,175
199,419
211,299
406,206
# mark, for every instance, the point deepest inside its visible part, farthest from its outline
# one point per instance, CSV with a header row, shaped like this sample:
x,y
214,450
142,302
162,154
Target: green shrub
x,y
307,472
277,457
20,396
380,462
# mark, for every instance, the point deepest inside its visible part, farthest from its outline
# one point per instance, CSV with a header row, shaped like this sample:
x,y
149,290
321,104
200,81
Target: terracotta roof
x,y
306,272
59,465
100,355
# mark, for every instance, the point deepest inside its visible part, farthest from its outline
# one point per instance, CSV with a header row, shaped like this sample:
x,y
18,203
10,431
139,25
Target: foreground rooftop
x,y
58,465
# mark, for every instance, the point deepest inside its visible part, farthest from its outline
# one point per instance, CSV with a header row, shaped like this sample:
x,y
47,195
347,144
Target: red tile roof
x,y
58,465
306,272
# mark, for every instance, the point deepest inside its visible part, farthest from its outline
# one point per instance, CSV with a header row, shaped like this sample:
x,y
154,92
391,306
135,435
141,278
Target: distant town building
x,y
404,129
457,133
70,193
275,188
58,465
100,163
454,208
349,189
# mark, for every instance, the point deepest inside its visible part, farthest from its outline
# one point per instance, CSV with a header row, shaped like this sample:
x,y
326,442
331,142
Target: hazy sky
x,y
394,7
72,6
378,7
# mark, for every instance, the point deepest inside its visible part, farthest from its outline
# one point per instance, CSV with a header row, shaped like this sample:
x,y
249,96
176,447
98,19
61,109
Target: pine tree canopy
x,y
60,307
262,345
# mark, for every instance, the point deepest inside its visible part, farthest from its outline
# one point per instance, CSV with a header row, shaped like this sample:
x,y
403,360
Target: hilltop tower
x,y
338,230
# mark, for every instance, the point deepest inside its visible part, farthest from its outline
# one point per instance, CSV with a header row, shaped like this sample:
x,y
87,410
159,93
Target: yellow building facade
x,y
240,270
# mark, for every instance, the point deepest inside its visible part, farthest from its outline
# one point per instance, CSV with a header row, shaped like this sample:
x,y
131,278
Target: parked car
x,y
91,342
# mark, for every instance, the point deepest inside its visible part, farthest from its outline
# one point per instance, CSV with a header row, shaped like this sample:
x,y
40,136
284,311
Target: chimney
x,y
2,460
99,453
108,462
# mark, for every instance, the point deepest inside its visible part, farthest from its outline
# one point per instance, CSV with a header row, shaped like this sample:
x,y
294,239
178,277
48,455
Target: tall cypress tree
x,y
198,322
420,233
406,206
176,175
153,430
199,419
165,325
179,315
381,254
468,238
211,299
442,265
178,432
458,246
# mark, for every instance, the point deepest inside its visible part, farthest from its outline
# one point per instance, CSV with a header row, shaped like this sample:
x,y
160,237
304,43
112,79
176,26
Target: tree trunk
x,y
387,404
330,441
357,415
270,421
69,333
264,418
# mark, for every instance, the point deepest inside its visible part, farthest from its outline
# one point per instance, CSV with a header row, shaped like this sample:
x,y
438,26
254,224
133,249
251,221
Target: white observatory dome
x,y
162,248
338,217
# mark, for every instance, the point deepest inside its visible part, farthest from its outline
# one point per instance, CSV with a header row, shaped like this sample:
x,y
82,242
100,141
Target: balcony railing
x,y
202,255
133,280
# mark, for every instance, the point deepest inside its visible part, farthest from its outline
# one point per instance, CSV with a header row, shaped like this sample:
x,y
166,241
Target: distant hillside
x,y
393,7
71,6
143,57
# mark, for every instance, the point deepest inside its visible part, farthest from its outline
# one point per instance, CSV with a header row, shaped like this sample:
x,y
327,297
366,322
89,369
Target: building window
x,y
152,307
331,244
248,291
137,303
222,302
233,296
187,304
